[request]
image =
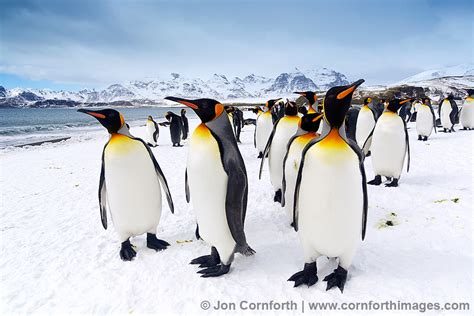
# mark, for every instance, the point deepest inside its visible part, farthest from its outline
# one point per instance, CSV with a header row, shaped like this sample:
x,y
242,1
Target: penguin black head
x,y
470,93
271,103
183,111
337,102
291,108
367,100
450,97
150,117
111,119
395,104
310,122
309,95
206,109
426,100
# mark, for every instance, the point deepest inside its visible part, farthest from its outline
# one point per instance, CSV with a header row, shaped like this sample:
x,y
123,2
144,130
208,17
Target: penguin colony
x,y
315,162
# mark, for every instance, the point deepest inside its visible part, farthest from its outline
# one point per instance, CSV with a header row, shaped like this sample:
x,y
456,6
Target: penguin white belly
x,y
150,128
424,121
207,182
467,114
264,129
445,111
286,128
133,188
388,145
330,201
365,125
291,169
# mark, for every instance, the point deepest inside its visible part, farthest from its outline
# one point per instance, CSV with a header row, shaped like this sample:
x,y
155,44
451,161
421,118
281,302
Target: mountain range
x,y
252,88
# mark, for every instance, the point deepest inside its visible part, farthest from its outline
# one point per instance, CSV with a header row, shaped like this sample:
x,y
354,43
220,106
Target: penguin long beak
x,y
184,102
92,113
317,118
350,90
405,101
301,93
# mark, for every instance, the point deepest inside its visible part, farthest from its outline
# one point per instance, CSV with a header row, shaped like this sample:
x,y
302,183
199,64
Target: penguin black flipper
x,y
367,141
267,148
434,118
283,182
103,193
453,116
155,134
407,142
361,156
160,175
186,186
237,183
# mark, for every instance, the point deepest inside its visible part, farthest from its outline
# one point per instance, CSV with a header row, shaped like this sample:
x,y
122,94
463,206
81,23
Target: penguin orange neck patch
x,y
333,140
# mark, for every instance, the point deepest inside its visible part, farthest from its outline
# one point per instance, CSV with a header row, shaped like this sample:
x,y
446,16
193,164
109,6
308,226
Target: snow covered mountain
x,y
153,91
462,70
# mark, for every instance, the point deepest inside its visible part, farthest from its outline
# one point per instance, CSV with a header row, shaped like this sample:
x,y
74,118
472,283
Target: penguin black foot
x,y
260,155
419,137
292,224
208,261
368,154
308,276
127,253
214,271
425,138
154,243
277,197
337,278
376,181
392,184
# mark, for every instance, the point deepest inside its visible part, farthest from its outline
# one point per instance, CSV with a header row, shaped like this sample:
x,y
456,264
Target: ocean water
x,y
24,126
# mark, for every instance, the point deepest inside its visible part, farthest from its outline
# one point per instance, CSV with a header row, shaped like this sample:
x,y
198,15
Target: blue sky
x,y
77,44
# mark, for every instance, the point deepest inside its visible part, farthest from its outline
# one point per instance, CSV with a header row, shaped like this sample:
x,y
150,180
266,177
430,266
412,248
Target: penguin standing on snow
x,y
390,145
184,119
330,203
216,181
176,127
276,147
263,128
448,113
365,125
152,131
312,99
425,119
237,122
130,185
467,111
307,131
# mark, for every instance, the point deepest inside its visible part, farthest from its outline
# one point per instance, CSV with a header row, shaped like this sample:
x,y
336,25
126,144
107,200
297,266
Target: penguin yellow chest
x,y
133,188
330,203
207,182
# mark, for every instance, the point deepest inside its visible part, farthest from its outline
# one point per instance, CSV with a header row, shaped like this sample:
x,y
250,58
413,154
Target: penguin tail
x,y
245,250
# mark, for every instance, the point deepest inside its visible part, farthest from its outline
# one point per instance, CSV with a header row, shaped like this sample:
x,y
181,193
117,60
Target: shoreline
x,y
39,143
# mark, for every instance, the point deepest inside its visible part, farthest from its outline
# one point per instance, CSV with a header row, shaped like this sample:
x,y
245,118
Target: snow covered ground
x,y
56,257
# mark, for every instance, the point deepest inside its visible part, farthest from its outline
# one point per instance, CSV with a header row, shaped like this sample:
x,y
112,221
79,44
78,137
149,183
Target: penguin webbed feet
x,y
215,271
208,261
392,184
337,278
127,253
307,276
154,243
376,181
277,197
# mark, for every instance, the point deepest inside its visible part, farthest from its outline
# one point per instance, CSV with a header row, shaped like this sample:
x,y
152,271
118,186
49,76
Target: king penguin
x,y
425,119
312,99
152,132
263,127
216,181
130,184
390,145
467,111
448,112
307,131
330,203
276,146
365,125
